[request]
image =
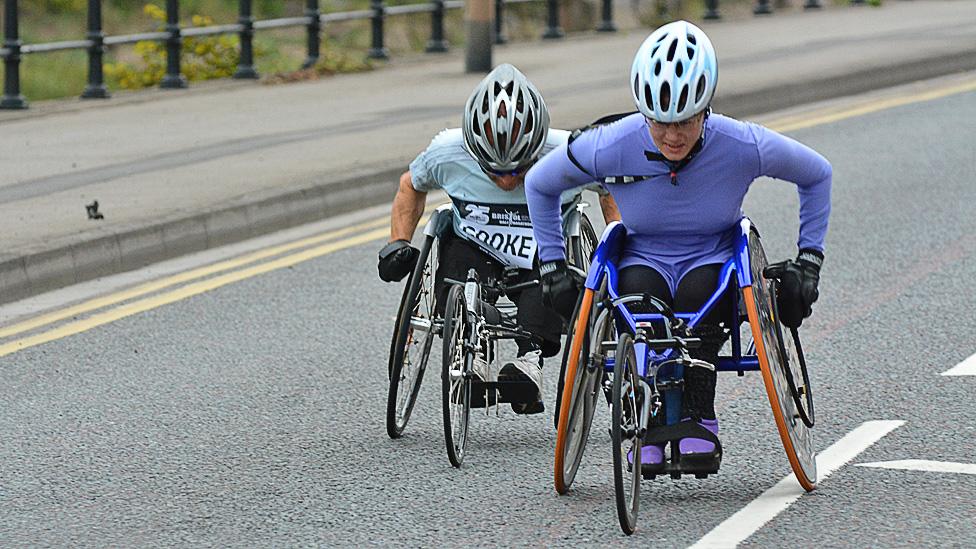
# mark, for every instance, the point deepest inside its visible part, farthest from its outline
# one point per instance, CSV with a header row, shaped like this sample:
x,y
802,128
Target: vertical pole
x,y
477,29
762,8
314,33
711,10
96,85
812,5
500,37
245,65
379,12
437,44
552,20
11,64
173,79
606,24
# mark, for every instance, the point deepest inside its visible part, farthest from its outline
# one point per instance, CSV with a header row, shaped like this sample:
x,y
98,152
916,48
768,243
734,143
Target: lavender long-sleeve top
x,y
676,228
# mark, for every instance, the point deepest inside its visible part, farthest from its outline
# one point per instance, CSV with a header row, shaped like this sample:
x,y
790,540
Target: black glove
x,y
560,287
798,282
397,260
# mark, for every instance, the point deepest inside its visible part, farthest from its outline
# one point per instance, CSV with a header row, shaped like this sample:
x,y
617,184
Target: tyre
x,y
625,433
586,390
456,374
580,247
413,336
778,369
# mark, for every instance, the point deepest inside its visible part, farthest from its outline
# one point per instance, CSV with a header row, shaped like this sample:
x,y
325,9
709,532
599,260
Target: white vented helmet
x,y
505,121
674,73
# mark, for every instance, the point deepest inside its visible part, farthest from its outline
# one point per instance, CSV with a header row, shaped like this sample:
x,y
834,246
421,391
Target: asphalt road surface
x,y
252,413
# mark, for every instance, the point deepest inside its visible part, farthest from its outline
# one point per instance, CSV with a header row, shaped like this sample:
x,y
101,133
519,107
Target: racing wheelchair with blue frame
x,y
473,320
637,361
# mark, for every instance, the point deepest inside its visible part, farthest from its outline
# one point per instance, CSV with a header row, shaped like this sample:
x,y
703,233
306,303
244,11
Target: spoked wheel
x,y
413,336
789,347
580,247
625,433
456,375
582,397
780,363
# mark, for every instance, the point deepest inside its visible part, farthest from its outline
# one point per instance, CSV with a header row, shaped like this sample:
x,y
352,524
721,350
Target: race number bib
x,y
503,230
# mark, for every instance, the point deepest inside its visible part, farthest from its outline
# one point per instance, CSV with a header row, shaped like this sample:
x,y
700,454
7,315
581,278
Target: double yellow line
x,y
204,279
204,282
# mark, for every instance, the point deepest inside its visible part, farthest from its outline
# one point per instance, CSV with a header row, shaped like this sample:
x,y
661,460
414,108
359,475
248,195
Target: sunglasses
x,y
516,172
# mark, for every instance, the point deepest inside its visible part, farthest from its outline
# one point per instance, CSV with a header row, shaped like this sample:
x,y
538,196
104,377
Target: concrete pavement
x,y
176,172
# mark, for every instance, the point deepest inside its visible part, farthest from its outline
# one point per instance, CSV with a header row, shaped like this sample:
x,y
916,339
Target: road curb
x,y
134,247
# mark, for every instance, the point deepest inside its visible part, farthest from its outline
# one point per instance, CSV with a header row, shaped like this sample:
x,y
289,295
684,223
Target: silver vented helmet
x,y
505,121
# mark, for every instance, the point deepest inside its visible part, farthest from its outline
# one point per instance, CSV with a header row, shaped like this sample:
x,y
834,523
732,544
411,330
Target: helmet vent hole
x,y
520,102
502,143
489,135
661,38
529,125
648,97
683,98
679,69
691,53
484,104
665,99
510,88
515,131
497,88
700,89
672,49
654,51
657,68
637,86
692,39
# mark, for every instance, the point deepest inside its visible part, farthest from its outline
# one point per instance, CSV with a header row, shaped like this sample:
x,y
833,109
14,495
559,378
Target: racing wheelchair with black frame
x,y
418,322
637,361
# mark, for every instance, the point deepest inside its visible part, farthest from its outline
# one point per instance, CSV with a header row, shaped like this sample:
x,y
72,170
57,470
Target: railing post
x,y
552,20
478,36
11,64
762,8
379,12
314,33
437,44
606,24
96,85
500,37
245,64
711,10
858,2
174,44
812,5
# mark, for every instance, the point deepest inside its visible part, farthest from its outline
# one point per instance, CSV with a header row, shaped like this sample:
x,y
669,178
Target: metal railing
x,y
313,20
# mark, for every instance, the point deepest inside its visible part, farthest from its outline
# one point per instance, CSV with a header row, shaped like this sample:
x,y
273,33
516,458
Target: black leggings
x,y
693,291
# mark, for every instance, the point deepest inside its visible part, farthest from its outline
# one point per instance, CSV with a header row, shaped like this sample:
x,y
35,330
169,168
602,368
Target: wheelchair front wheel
x,y
413,336
456,374
625,433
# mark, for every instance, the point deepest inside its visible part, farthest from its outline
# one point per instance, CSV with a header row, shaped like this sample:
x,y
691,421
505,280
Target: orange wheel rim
x,y
767,375
579,333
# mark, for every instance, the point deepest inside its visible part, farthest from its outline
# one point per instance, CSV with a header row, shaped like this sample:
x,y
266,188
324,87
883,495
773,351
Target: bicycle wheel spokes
x,y
456,384
625,434
412,341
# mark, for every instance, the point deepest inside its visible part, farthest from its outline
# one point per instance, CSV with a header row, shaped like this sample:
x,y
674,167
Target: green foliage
x,y
204,58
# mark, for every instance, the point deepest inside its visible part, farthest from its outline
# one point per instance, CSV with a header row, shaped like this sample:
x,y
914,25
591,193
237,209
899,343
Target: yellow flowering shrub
x,y
203,58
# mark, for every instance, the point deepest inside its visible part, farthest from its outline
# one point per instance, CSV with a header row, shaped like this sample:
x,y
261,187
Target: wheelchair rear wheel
x,y
586,388
780,364
413,336
580,247
456,374
625,433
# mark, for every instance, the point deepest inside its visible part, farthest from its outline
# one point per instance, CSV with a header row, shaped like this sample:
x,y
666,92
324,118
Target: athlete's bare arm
x,y
408,205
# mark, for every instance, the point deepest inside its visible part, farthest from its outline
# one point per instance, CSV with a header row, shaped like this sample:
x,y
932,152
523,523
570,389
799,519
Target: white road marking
x,y
770,503
964,368
924,465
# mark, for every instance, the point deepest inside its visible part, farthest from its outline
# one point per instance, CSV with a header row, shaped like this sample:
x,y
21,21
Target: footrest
x,y
518,392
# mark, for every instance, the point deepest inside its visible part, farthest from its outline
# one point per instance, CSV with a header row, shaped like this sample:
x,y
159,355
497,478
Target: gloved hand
x,y
560,287
798,282
397,260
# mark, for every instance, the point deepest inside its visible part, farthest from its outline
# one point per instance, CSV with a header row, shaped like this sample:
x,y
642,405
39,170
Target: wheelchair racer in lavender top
x,y
679,174
482,166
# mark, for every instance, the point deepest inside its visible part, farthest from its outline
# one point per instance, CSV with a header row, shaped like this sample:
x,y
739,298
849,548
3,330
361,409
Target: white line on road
x,y
770,503
964,368
924,465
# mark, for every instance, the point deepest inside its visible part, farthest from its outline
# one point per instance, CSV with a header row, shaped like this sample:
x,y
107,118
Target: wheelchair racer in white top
x,y
481,166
